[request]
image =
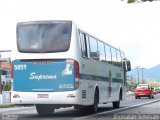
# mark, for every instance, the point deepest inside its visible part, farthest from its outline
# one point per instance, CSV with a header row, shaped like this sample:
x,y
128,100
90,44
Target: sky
x,y
134,28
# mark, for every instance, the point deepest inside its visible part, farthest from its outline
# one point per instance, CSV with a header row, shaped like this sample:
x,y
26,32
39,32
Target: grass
x,y
7,105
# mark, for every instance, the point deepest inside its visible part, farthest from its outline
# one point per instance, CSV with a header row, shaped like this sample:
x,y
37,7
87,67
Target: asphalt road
x,y
131,106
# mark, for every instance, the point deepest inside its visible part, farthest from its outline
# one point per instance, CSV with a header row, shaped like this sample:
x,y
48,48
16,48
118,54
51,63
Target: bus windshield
x,y
44,37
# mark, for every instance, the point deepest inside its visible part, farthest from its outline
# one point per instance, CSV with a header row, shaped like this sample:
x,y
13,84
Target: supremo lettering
x,y
34,76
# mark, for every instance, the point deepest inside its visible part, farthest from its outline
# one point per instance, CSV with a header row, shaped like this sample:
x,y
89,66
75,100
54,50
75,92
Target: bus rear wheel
x,y
44,109
116,104
94,107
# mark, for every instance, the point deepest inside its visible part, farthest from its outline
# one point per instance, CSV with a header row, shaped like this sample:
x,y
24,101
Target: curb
x,y
117,110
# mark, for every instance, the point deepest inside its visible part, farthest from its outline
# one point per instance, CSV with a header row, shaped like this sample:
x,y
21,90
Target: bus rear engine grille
x,y
83,93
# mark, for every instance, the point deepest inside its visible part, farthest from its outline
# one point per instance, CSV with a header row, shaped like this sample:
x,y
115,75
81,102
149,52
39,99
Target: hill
x,y
148,74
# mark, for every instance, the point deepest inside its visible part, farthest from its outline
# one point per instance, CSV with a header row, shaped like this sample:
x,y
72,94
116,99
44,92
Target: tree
x,y
131,1
146,0
154,83
131,83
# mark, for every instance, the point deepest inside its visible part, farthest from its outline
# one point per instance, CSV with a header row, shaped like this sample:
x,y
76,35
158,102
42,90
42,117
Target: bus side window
x,y
119,59
83,45
108,54
114,56
101,51
93,48
87,45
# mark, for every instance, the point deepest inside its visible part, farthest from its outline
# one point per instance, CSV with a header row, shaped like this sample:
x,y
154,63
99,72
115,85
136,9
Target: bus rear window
x,y
44,37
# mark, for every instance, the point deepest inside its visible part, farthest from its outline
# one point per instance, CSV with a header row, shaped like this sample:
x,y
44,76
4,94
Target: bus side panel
x,y
95,73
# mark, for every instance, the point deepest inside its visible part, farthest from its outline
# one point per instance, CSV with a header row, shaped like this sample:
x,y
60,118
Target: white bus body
x,y
74,70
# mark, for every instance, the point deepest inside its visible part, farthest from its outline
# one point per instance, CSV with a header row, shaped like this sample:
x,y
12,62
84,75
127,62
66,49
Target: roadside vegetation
x,y
132,83
7,105
6,86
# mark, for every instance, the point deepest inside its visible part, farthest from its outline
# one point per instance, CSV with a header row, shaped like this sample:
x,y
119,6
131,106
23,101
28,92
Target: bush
x,y
7,86
131,1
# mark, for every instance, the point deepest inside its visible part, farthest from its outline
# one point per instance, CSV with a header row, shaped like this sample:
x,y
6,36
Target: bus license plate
x,y
42,96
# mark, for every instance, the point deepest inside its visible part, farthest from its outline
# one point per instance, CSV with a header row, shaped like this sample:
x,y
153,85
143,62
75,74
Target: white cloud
x,y
132,27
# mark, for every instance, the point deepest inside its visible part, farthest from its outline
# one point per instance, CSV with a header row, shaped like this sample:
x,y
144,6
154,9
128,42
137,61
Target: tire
x,y
44,109
116,104
136,97
94,108
151,96
83,110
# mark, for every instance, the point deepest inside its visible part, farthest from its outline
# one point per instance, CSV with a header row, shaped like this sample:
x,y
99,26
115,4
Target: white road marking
x,y
117,110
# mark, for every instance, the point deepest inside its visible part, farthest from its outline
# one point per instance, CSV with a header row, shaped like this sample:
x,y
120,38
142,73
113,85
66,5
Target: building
x,y
5,67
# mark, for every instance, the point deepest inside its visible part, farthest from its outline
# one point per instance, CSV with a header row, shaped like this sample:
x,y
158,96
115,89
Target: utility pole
x,y
138,73
142,72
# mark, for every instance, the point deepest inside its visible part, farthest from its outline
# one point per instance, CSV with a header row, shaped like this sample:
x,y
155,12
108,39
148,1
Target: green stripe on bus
x,y
99,78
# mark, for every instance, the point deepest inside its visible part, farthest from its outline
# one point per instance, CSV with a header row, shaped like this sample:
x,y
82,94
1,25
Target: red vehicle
x,y
157,90
143,90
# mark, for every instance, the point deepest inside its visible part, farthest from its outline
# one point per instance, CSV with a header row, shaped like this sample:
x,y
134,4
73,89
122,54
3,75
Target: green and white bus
x,y
56,65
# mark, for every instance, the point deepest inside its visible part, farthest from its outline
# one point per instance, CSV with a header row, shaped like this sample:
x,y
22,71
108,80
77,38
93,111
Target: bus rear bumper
x,y
59,98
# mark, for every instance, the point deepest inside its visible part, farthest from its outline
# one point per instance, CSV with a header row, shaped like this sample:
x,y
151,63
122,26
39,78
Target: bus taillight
x,y
76,72
76,69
